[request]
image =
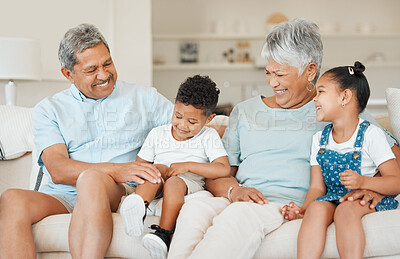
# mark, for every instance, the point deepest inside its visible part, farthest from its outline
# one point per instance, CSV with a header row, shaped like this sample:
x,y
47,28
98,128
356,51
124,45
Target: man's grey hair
x,y
296,43
76,40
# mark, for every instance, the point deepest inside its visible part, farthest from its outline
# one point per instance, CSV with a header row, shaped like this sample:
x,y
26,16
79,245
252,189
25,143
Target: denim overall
x,y
332,163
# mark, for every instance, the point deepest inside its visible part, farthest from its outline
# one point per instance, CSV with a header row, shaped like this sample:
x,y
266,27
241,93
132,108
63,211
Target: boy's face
x,y
187,121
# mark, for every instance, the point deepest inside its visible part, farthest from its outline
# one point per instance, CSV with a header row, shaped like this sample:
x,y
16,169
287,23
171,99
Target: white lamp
x,y
19,60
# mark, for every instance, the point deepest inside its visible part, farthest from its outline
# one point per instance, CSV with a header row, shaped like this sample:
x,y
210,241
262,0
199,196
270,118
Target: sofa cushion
x,y
51,234
382,231
16,136
393,105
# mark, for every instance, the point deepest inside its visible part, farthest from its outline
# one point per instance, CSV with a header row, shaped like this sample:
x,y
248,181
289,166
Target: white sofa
x,y
51,234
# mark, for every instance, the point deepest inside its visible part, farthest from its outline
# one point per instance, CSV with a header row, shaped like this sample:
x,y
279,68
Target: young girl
x,y
345,156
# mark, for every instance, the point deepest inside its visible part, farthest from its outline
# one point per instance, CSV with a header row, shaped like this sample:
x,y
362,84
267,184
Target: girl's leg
x,y
173,198
350,237
312,234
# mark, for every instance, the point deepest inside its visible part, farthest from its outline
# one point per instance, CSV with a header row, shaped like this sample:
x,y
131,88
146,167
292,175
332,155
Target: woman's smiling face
x,y
289,88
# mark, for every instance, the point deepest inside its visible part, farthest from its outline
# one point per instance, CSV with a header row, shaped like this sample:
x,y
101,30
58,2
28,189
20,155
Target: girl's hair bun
x,y
359,67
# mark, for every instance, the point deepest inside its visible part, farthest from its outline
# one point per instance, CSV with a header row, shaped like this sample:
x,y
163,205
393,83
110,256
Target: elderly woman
x,y
268,141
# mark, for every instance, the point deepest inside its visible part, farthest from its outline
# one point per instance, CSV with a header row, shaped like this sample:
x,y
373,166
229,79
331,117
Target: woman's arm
x,y
220,187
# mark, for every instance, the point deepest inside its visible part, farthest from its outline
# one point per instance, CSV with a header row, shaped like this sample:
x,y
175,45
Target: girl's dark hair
x,y
353,78
199,91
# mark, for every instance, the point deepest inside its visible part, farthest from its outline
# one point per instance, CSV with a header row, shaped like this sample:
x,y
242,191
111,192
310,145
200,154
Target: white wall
x,y
192,16
126,24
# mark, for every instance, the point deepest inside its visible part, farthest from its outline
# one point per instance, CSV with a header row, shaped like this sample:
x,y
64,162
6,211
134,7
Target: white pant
x,y
215,228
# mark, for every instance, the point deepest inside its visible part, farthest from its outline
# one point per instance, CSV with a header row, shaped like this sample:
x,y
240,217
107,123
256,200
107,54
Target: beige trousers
x,y
215,228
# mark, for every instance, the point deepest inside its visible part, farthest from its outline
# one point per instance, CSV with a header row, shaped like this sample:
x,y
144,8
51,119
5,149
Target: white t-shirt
x,y
160,147
375,148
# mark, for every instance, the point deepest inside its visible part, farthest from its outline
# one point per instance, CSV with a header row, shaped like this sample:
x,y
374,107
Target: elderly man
x,y
87,138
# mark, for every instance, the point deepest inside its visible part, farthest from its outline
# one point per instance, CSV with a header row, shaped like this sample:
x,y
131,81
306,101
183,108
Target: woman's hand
x,y
351,180
240,193
292,211
365,196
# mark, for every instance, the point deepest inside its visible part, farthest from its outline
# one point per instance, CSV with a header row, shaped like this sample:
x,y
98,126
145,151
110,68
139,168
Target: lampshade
x,y
19,59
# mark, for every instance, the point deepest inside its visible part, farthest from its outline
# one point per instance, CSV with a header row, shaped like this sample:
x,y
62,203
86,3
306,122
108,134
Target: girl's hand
x,y
351,180
292,211
240,193
177,169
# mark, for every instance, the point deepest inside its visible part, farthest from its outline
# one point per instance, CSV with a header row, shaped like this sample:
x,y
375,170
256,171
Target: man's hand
x,y
177,169
351,180
365,196
292,211
239,193
163,170
135,171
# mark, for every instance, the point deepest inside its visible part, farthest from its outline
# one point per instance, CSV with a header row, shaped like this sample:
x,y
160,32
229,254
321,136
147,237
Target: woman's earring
x,y
308,86
343,104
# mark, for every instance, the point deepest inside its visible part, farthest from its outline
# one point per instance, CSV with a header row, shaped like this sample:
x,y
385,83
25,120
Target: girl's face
x,y
289,88
328,101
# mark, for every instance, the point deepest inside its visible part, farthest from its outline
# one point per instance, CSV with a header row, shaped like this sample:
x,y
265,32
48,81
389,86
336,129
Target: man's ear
x,y
68,74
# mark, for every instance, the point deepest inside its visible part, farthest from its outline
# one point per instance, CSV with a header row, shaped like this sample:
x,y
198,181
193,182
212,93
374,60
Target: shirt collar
x,y
81,97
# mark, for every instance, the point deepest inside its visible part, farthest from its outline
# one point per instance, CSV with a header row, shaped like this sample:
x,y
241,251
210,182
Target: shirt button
x,y
100,125
97,139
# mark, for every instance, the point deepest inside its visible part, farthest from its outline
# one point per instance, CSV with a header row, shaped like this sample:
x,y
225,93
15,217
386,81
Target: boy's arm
x,y
219,167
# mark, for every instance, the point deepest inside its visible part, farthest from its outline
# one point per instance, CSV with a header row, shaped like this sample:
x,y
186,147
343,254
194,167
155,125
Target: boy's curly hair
x,y
199,91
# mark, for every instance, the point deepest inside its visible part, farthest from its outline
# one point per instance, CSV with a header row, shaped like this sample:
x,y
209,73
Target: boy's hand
x,y
177,169
163,170
351,180
292,211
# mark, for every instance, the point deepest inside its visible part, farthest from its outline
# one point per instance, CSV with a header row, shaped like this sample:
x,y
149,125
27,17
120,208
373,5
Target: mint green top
x,y
272,148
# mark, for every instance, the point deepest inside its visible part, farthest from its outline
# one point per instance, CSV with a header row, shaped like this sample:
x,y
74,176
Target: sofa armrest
x,y
15,173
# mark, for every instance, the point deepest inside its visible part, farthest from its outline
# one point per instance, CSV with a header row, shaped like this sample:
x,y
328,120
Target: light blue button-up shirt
x,y
111,129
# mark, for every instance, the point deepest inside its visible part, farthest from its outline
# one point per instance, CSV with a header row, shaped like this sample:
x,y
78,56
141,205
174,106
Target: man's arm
x,y
64,170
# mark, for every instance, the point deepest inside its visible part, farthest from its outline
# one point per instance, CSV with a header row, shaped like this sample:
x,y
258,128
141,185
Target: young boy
x,y
186,153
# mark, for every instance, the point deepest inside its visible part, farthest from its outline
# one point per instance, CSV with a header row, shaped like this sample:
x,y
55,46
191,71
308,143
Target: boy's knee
x,y
173,184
